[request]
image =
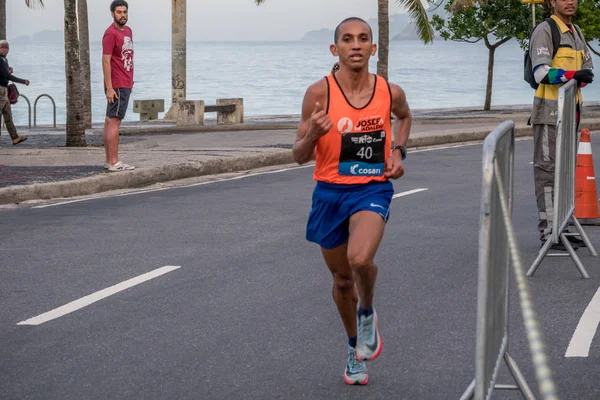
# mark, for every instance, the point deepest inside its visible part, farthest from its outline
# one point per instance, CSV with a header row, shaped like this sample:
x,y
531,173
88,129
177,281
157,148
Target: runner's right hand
x,y
320,123
111,95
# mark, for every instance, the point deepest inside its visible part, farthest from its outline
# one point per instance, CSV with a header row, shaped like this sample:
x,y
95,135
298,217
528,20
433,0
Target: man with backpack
x,y
570,59
5,109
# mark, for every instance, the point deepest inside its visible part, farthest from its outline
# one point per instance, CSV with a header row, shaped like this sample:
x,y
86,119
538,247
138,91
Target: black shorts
x,y
118,108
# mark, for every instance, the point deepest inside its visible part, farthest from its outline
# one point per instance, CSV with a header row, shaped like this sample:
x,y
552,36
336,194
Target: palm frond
x,y
418,14
39,3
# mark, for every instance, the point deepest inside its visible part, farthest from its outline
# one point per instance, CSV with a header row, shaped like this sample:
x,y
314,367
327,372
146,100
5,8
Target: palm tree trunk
x,y
75,109
2,19
84,56
383,21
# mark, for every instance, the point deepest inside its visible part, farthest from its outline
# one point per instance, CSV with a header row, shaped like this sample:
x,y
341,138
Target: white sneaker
x,y
118,167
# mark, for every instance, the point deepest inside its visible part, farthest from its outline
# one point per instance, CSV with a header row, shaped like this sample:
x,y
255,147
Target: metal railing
x,y
28,107
35,106
564,183
497,248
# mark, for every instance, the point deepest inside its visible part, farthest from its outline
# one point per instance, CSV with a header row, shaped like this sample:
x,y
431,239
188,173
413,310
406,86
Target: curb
x,y
149,176
165,130
139,177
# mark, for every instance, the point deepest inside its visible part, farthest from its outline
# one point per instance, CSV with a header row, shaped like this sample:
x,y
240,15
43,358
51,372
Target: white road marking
x,y
94,297
65,202
235,178
248,175
586,329
402,194
452,146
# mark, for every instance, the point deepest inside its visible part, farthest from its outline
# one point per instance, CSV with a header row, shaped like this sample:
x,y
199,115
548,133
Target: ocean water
x,y
272,77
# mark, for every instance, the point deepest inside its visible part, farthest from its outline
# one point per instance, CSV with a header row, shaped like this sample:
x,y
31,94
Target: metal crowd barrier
x,y
497,248
564,183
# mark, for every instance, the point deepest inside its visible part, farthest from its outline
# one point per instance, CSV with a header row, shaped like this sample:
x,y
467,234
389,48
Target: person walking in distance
x,y
5,77
346,122
117,67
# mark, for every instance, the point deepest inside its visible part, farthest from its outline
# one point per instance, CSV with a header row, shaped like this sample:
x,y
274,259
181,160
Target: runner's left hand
x,y
393,167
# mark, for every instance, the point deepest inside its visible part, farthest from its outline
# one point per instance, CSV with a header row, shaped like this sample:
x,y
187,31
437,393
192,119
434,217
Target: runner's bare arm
x,y
106,70
314,122
401,129
402,112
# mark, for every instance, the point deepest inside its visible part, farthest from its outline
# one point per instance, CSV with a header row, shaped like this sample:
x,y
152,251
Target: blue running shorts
x,y
334,204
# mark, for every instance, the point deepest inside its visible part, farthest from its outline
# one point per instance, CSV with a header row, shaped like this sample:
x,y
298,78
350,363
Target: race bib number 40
x,y
362,154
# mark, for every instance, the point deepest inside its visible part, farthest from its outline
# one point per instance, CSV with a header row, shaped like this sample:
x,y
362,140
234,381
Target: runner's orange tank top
x,y
356,149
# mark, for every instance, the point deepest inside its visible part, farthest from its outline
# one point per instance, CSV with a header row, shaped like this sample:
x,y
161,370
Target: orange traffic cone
x,y
586,197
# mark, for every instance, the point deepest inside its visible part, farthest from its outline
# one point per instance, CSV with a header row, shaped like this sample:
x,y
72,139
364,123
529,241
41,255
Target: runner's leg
x,y
366,232
344,290
345,297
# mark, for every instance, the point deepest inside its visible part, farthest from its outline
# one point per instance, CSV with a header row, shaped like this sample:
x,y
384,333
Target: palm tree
x,y
84,57
75,106
28,3
418,15
383,48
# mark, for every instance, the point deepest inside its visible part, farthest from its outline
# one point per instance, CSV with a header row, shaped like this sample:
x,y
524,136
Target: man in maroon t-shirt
x,y
117,66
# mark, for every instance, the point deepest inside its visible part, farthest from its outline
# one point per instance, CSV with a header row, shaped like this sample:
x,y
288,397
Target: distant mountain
x,y
398,23
410,30
49,36
21,39
408,33
322,35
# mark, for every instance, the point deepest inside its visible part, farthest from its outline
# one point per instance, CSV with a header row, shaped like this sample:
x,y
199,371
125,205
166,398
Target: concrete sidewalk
x,y
43,168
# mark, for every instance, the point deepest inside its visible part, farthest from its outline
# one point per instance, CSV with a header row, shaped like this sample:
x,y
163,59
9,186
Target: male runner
x,y
346,120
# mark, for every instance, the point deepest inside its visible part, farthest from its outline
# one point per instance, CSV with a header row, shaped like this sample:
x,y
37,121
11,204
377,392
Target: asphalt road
x,y
249,314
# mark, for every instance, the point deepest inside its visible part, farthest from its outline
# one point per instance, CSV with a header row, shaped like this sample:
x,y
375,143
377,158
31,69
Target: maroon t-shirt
x,y
119,44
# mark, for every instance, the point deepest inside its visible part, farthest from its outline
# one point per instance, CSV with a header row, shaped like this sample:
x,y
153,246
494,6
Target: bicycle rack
x,y
35,109
28,106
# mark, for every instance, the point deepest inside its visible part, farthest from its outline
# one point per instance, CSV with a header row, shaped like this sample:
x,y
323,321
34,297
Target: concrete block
x,y
228,118
190,112
148,109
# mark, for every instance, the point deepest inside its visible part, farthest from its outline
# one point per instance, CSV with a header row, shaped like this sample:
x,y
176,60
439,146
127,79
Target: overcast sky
x,y
207,19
